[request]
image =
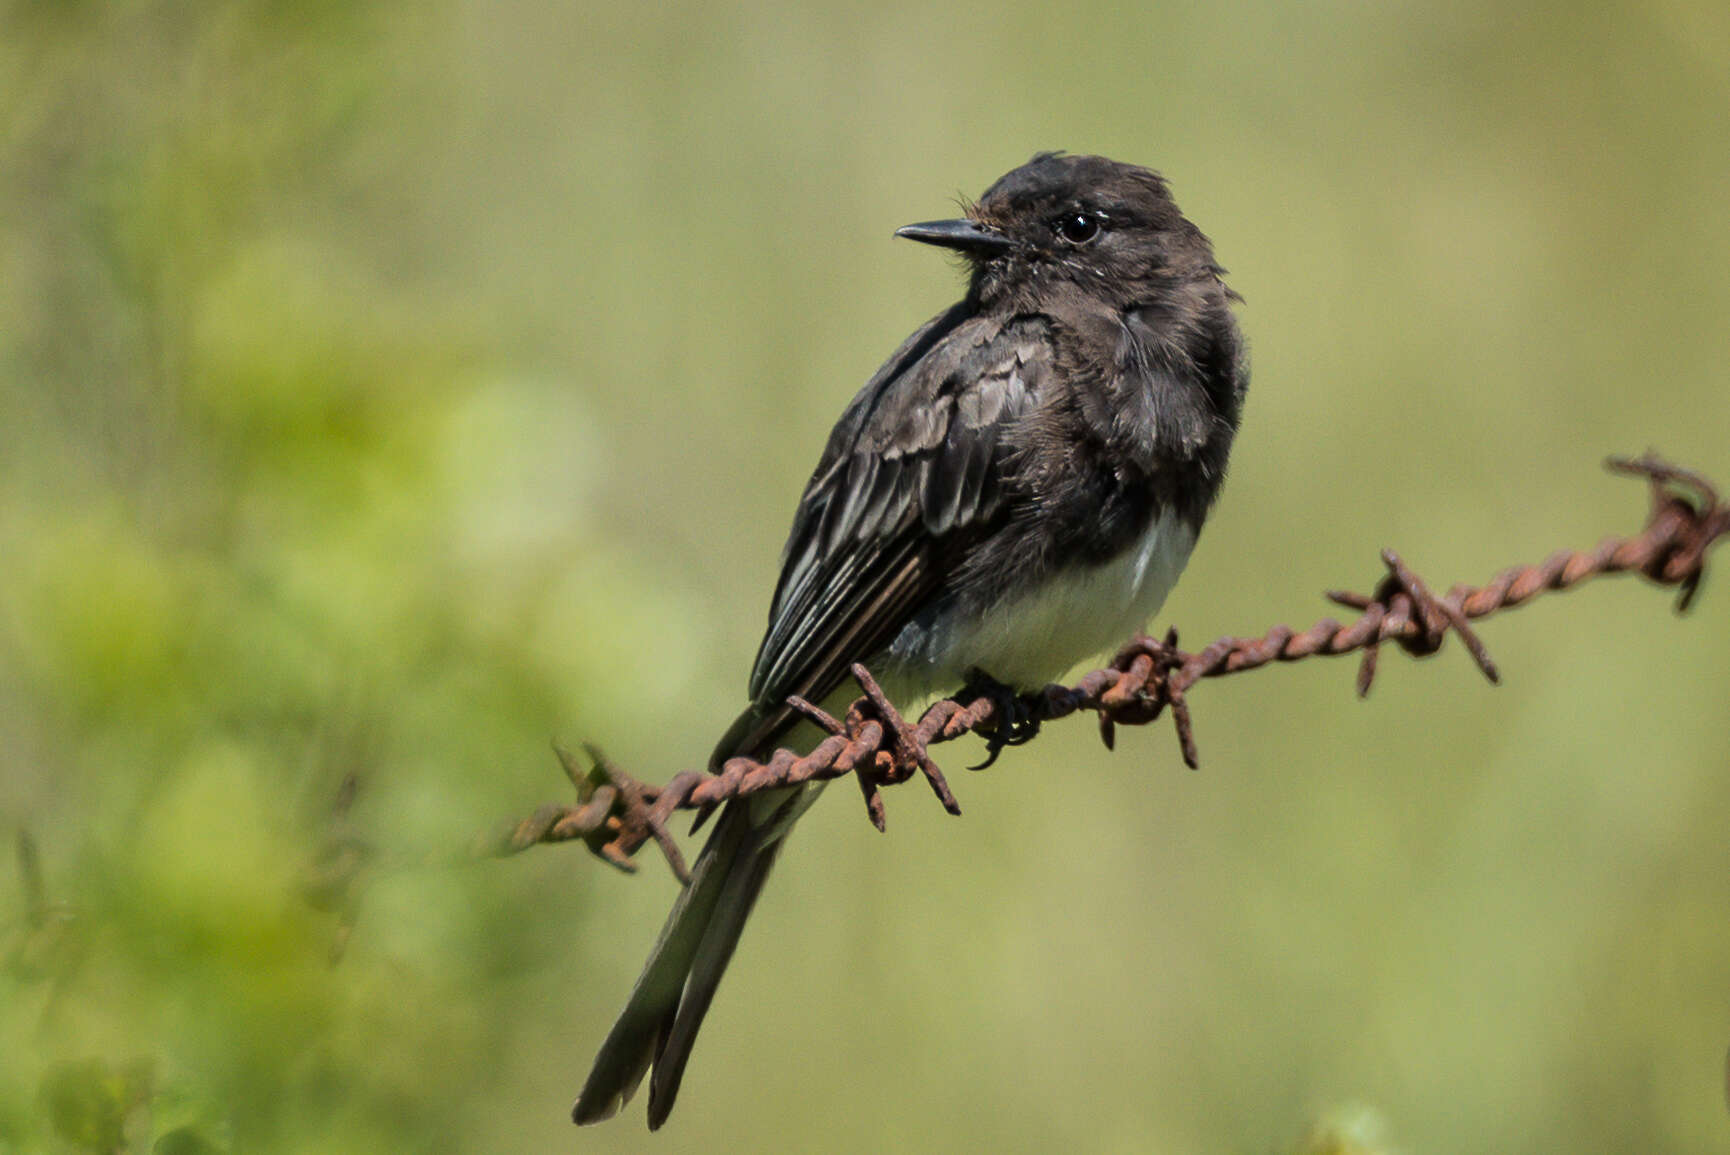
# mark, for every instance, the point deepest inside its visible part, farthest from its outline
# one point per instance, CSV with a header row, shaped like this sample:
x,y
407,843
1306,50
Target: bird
x,y
1015,490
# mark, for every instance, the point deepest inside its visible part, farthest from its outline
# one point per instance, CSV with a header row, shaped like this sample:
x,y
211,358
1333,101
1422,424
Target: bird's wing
x,y
916,461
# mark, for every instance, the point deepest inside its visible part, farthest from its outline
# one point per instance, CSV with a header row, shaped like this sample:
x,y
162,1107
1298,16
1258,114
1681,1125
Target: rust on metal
x,y
615,815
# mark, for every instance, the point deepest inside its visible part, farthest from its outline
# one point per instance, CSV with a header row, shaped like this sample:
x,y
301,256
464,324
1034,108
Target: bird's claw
x,y
1018,718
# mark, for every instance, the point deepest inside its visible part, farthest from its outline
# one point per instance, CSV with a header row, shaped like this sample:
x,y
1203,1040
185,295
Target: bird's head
x,y
1109,228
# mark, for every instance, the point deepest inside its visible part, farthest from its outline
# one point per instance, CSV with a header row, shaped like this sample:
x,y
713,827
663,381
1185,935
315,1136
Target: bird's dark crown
x,y
1110,226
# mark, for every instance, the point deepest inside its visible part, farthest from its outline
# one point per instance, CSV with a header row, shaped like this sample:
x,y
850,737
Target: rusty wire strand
x,y
616,815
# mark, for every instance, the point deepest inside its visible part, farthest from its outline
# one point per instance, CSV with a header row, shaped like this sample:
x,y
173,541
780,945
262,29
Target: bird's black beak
x,y
963,235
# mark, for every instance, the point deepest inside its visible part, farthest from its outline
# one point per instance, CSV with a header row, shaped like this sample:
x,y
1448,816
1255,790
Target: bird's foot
x,y
1018,717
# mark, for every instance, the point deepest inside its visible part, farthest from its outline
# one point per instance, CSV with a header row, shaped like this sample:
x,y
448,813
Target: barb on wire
x,y
616,815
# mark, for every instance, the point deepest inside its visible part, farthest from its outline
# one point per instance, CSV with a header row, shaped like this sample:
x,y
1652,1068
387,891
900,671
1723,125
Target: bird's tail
x,y
666,1007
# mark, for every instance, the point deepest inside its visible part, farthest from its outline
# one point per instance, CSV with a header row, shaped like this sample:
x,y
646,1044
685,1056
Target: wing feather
x,y
918,458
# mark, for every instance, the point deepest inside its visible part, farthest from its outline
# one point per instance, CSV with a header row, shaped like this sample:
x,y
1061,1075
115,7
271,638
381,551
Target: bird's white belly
x,y
1029,640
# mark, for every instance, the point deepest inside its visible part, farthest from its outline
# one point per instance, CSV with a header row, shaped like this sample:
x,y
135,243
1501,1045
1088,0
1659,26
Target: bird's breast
x,y
1034,633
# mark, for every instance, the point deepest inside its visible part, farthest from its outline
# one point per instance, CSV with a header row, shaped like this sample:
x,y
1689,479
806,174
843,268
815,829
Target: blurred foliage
x,y
251,559
385,389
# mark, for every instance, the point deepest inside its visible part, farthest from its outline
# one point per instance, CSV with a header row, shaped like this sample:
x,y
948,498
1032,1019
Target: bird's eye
x,y
1077,228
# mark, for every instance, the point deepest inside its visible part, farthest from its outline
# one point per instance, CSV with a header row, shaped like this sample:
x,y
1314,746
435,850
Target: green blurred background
x,y
387,389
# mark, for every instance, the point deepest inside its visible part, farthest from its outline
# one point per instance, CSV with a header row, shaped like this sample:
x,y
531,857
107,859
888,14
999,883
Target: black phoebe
x,y
1016,490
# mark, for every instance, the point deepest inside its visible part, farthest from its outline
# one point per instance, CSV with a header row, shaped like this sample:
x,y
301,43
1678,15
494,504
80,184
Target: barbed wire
x,y
615,815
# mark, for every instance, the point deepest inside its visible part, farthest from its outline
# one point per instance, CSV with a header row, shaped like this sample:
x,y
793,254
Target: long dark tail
x,y
660,1021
